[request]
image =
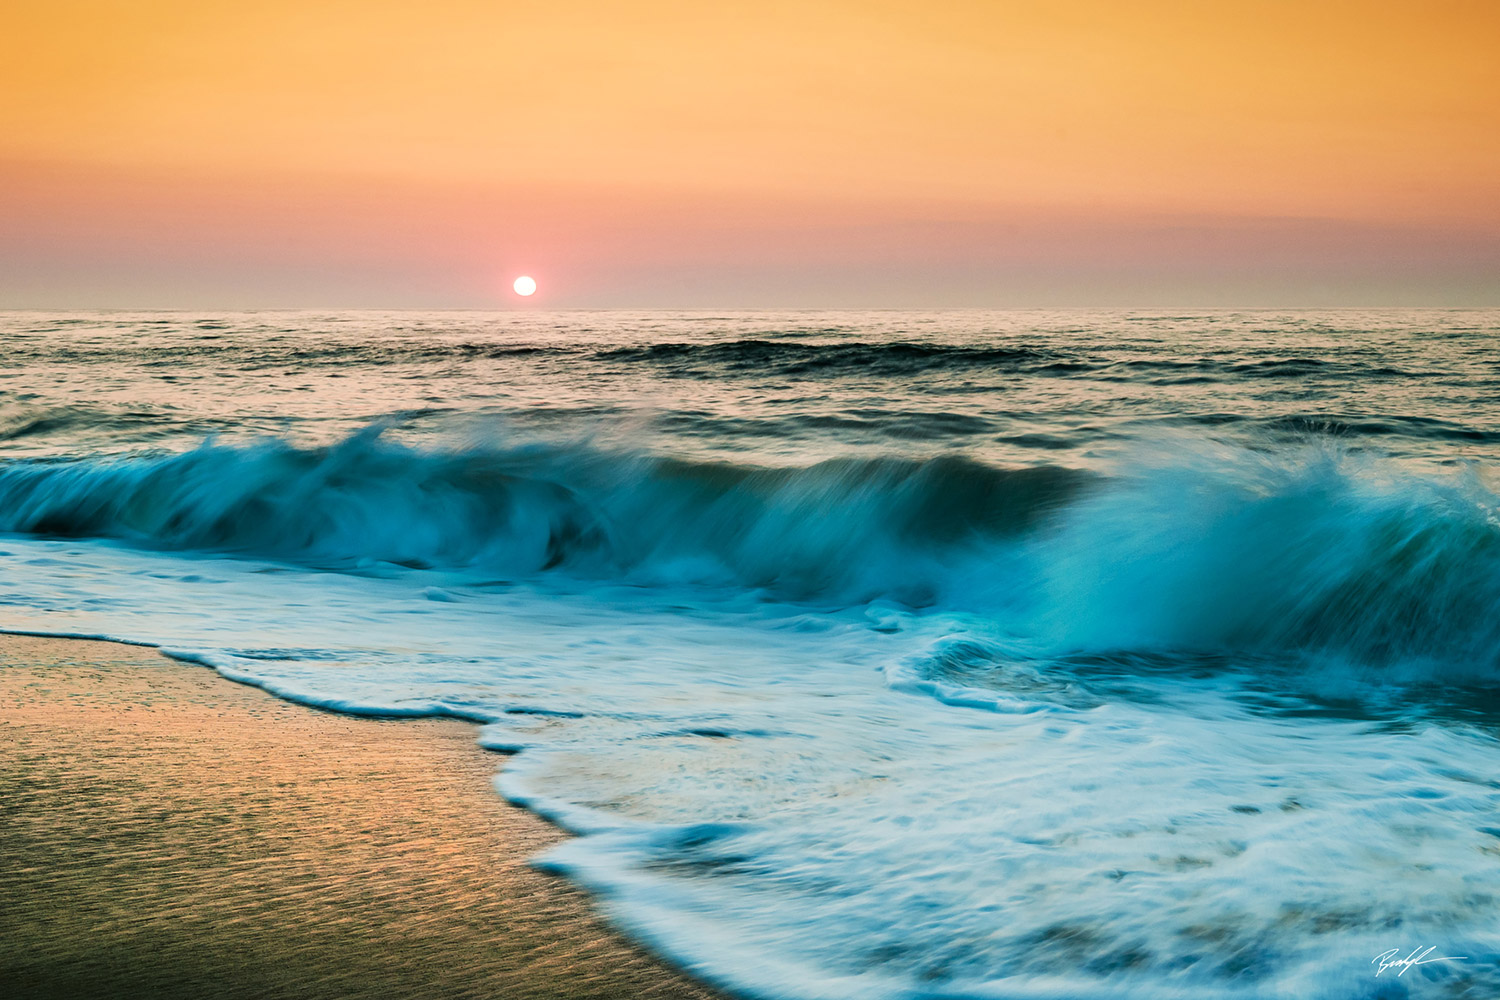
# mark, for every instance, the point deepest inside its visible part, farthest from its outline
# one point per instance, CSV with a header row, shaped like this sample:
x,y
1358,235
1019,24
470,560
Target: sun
x,y
524,285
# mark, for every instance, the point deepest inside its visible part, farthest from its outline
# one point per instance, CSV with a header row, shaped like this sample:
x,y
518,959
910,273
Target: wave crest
x,y
1234,552
843,529
1310,551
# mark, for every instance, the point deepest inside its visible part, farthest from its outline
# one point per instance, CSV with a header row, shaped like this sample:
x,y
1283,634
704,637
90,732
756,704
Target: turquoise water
x,y
875,654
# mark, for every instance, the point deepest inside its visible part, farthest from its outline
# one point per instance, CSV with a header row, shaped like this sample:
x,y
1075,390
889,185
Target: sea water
x,y
1031,654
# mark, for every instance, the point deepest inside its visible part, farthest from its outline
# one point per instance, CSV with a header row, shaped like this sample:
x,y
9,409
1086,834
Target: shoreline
x,y
167,832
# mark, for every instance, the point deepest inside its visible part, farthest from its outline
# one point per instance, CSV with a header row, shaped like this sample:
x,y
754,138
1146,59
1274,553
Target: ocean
x,y
870,654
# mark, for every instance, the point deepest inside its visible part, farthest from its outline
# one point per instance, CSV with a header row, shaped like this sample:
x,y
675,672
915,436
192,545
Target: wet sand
x,y
168,833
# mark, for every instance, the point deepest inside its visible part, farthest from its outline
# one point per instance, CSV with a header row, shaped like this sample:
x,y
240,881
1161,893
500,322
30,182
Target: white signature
x,y
1391,960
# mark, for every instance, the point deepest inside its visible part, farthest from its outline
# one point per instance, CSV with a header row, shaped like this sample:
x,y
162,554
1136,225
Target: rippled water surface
x,y
779,387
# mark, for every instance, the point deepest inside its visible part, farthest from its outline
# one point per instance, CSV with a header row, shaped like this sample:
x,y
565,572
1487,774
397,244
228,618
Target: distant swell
x,y
755,357
1224,551
792,358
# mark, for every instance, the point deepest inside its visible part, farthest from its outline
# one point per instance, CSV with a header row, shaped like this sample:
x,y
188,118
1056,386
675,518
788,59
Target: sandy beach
x,y
168,833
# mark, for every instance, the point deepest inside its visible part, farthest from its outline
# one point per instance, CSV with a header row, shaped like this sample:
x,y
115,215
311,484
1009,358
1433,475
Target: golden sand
x,y
165,832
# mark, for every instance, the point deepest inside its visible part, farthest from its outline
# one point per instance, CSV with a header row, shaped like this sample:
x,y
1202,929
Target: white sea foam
x,y
762,805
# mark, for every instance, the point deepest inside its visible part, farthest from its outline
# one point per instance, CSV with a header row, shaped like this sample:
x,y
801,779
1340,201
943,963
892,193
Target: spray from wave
x,y
1236,551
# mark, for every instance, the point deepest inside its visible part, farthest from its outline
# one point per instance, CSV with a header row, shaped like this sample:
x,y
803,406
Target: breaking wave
x,y
1233,551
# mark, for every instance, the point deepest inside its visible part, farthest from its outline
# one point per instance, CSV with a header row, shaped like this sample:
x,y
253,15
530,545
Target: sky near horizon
x,y
833,153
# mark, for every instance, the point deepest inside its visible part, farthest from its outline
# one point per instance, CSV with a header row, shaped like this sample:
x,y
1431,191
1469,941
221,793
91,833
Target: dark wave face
x,y
843,529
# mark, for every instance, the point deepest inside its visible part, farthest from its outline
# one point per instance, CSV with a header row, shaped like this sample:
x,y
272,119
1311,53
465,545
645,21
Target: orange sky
x,y
379,153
